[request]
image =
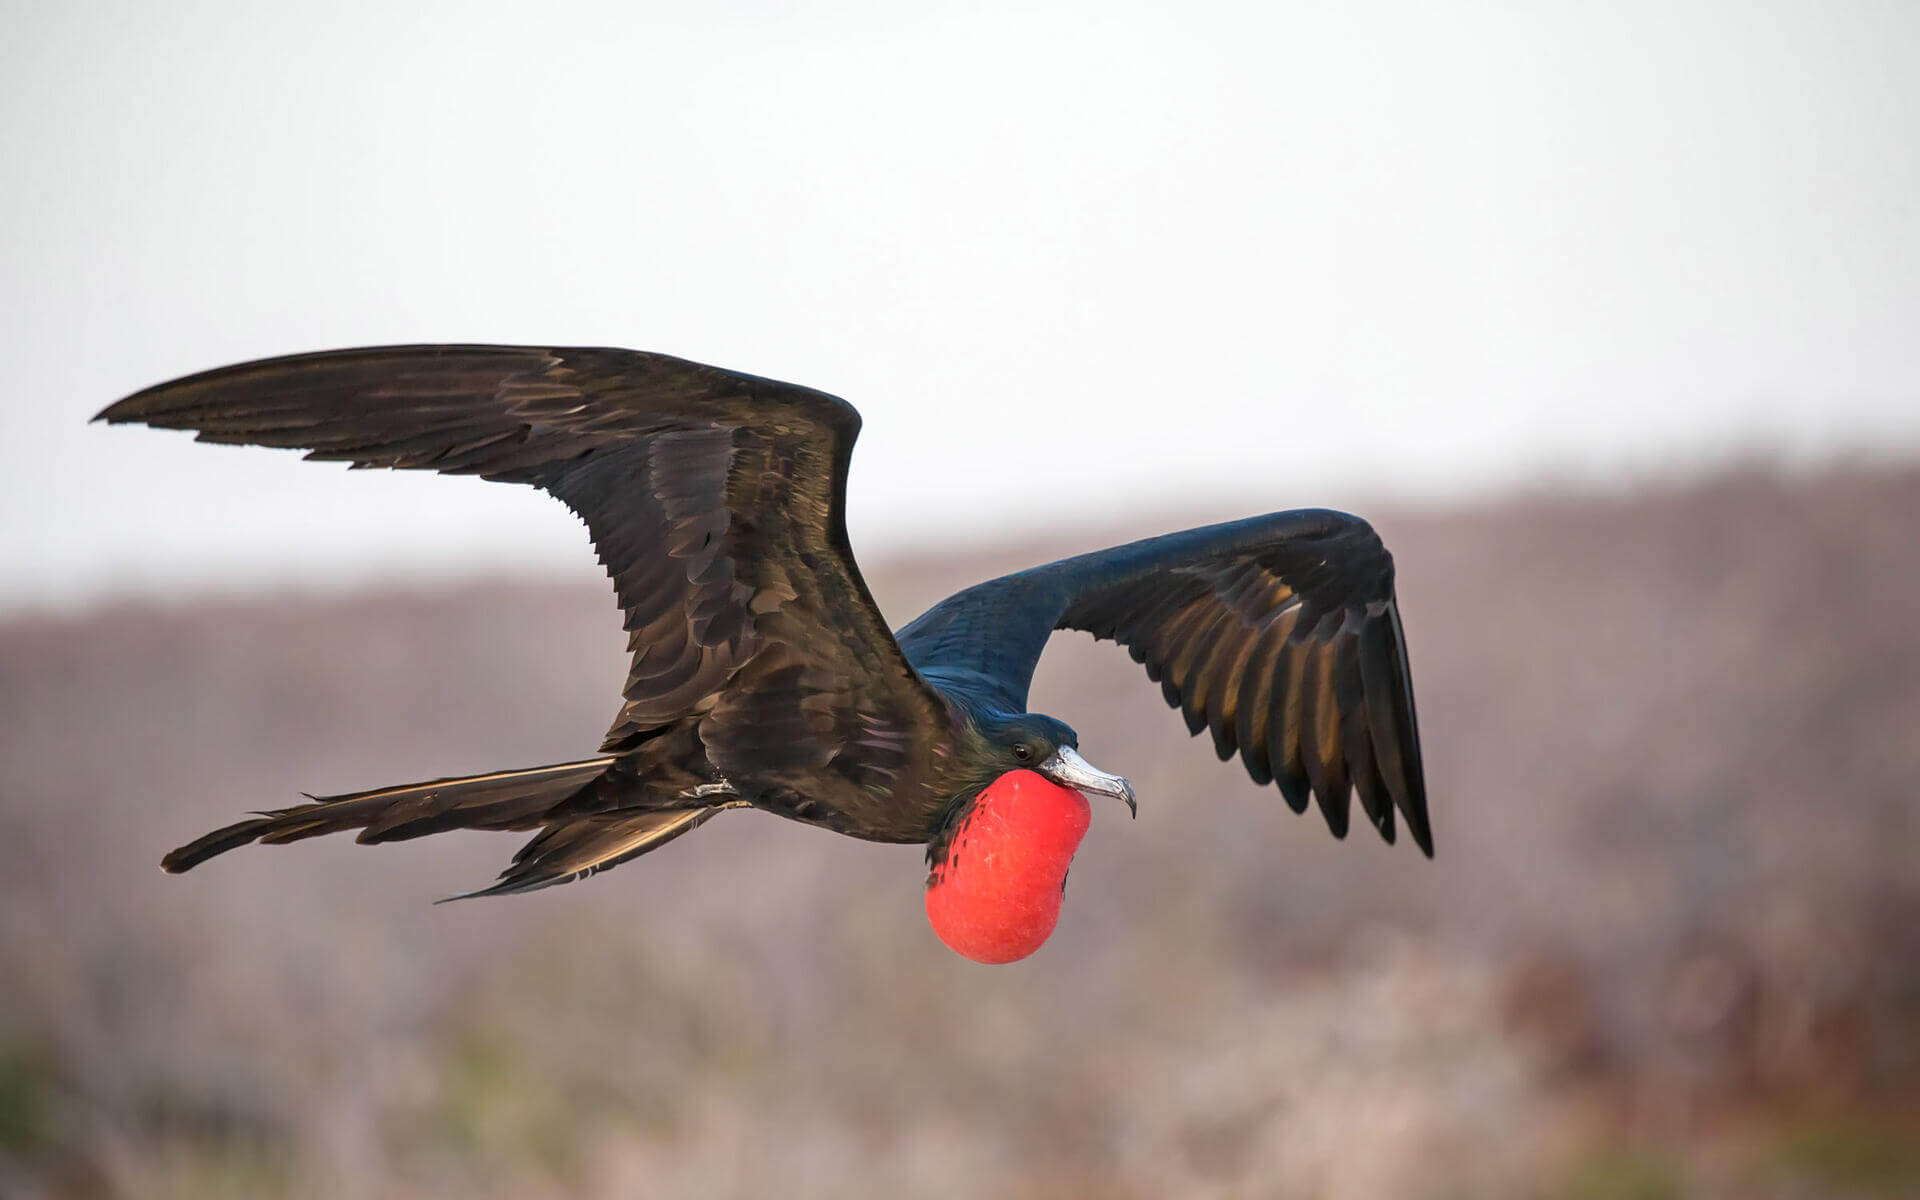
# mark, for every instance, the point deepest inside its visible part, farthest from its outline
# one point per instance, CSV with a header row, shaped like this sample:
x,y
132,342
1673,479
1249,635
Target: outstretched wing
x,y
1279,634
715,499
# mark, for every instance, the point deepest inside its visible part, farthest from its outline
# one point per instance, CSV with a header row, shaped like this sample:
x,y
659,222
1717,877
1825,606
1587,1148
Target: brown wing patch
x,y
714,499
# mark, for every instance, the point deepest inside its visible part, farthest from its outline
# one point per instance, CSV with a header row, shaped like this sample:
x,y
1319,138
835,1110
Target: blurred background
x,y
1602,313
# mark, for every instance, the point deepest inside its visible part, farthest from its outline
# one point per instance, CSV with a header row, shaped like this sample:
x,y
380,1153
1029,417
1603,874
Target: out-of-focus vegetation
x,y
1667,949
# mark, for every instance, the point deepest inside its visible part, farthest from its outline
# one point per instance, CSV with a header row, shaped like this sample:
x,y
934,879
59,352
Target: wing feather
x,y
714,499
1280,635
1321,750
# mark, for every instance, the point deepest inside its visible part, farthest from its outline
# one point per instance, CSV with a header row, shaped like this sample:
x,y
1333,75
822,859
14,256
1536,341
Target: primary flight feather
x,y
763,673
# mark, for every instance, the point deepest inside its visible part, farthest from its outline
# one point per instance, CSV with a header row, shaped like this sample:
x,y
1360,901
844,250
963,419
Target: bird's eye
x,y
1022,751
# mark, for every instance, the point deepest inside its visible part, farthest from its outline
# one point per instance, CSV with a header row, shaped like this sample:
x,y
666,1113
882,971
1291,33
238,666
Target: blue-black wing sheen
x,y
1278,634
716,501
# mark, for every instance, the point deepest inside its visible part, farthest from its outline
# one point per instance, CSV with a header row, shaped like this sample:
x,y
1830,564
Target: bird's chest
x,y
908,811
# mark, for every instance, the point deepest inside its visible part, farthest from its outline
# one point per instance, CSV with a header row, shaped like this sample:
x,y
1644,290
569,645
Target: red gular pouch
x,y
995,895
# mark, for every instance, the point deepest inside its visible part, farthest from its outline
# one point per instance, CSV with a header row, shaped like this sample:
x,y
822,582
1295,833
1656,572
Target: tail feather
x,y
500,800
581,846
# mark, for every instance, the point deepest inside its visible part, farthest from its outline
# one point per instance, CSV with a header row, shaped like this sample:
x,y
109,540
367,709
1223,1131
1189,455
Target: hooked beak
x,y
1068,769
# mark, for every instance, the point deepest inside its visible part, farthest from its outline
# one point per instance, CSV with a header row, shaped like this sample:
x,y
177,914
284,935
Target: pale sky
x,y
1075,263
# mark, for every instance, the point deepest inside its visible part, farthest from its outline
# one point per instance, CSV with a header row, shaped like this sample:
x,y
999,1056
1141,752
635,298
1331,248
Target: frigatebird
x,y
763,674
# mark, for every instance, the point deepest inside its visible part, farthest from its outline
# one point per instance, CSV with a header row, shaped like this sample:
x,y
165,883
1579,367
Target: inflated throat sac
x,y
995,895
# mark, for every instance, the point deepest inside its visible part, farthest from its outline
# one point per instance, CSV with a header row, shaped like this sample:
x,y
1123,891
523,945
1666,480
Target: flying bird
x,y
763,674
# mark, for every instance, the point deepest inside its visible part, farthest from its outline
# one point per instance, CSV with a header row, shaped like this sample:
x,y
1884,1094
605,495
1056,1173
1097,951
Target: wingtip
x,y
1418,824
143,406
124,411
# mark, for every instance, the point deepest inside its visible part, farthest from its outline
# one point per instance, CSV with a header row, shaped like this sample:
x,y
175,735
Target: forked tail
x,y
575,839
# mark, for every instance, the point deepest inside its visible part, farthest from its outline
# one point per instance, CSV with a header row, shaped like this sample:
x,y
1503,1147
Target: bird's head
x,y
999,860
1050,747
